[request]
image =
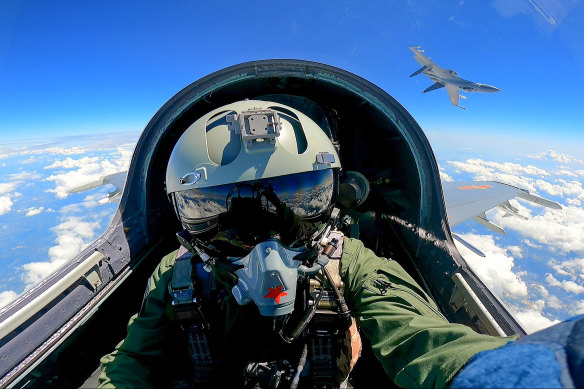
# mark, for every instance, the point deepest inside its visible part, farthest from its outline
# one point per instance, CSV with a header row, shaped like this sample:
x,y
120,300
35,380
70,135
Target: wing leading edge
x,y
470,200
116,179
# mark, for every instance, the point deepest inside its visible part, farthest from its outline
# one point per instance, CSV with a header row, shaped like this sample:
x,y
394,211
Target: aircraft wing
x,y
116,179
421,58
470,200
453,93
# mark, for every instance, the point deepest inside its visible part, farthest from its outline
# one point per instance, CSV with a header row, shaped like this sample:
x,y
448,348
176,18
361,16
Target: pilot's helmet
x,y
248,147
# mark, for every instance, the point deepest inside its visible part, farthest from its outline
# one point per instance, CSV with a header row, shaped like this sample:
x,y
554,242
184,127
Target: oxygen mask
x,y
268,276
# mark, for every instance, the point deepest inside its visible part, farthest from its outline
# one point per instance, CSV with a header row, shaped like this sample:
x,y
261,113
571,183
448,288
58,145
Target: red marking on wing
x,y
475,187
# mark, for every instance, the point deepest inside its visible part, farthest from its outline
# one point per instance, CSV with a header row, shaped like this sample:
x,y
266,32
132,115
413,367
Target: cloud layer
x,y
497,270
73,223
73,235
86,169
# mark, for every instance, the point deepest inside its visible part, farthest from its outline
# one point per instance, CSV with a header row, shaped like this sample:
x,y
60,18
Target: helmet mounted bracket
x,y
256,124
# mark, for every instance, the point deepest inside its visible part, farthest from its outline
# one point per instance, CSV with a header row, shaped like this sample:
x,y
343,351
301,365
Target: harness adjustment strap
x,y
189,315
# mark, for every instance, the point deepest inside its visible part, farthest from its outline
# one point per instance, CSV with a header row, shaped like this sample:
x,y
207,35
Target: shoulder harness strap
x,y
188,313
346,341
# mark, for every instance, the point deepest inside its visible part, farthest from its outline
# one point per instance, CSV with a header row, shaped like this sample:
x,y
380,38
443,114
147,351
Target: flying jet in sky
x,y
446,78
54,334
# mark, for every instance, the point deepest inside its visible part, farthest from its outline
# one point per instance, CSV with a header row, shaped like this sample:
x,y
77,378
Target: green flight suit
x,y
414,343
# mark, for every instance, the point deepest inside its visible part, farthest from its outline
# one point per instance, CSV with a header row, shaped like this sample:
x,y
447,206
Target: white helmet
x,y
251,142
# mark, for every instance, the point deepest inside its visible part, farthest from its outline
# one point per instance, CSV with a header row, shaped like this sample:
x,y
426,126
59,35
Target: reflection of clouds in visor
x,y
307,194
312,202
192,205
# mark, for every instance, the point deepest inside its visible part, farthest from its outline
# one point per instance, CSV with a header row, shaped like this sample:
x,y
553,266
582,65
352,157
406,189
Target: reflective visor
x,y
308,194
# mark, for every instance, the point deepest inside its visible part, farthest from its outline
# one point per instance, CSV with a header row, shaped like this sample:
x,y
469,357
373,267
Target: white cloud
x,y
60,191
571,286
496,270
70,163
480,166
555,303
508,173
577,308
65,150
573,268
444,176
564,188
73,235
88,169
8,187
34,211
5,204
542,290
565,172
529,243
516,251
568,286
25,176
561,229
533,320
6,297
555,156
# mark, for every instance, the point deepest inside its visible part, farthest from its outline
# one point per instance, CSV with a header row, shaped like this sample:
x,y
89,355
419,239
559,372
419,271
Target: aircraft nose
x,y
489,88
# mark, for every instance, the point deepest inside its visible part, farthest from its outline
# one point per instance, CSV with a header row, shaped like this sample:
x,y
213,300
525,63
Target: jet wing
x,y
453,93
470,200
421,58
116,179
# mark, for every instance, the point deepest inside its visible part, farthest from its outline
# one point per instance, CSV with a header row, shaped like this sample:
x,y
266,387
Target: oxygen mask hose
x,y
302,324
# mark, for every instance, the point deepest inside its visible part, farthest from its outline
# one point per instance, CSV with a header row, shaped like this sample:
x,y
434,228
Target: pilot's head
x,y
251,170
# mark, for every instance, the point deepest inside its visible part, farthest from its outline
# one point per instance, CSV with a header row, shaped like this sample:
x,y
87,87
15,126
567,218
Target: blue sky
x,y
90,67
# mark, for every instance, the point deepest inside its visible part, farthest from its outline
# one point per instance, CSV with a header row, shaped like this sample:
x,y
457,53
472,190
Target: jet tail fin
x,y
420,70
432,87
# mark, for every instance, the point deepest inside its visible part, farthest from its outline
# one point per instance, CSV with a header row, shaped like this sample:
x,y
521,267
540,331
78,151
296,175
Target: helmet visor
x,y
308,195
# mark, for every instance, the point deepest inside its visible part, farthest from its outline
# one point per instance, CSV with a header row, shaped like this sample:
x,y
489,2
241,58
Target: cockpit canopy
x,y
373,133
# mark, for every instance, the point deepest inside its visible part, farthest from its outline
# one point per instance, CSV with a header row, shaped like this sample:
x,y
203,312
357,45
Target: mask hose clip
x,y
320,263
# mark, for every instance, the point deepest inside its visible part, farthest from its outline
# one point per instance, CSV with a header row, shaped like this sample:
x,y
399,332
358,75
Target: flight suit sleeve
x,y
416,345
136,360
